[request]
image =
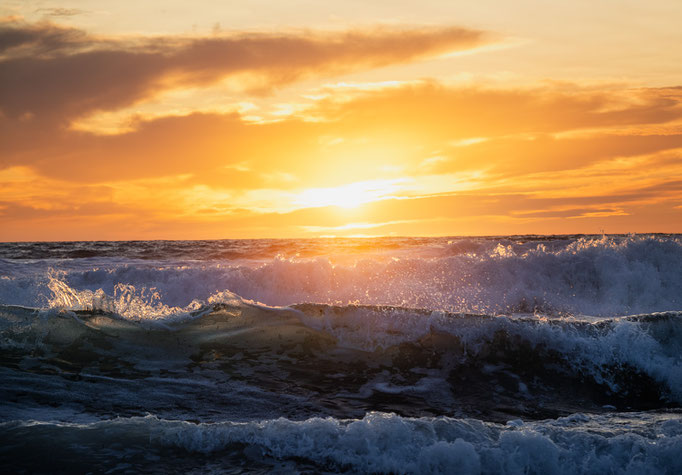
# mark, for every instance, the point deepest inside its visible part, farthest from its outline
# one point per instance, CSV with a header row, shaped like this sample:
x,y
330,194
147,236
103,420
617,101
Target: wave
x,y
408,361
376,443
598,277
397,355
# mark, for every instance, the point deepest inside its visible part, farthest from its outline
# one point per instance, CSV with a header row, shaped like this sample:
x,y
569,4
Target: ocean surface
x,y
512,354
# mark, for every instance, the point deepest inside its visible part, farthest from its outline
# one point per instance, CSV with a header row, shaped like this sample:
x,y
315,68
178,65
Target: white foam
x,y
387,443
631,443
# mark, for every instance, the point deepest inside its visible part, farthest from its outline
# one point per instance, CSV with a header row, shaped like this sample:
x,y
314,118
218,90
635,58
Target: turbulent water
x,y
521,354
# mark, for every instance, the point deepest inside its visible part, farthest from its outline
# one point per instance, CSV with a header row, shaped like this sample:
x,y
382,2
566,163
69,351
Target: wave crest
x,y
599,277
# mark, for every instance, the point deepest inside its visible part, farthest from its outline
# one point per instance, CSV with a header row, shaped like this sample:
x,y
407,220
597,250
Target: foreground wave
x,y
343,361
377,443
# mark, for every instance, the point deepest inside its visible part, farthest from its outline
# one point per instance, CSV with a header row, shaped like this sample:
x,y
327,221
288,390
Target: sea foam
x,y
633,443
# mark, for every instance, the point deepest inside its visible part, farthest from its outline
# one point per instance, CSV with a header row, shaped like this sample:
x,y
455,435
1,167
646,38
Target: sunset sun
x,y
351,195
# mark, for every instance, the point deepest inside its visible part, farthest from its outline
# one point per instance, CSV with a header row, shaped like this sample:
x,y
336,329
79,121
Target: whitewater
x,y
505,354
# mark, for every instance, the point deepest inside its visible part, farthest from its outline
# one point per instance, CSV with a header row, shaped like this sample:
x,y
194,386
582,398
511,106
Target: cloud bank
x,y
47,71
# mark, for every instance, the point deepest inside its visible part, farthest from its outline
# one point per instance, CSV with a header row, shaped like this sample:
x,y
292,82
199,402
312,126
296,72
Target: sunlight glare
x,y
351,195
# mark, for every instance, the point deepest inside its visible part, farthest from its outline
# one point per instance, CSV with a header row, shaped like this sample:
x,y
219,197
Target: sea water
x,y
513,354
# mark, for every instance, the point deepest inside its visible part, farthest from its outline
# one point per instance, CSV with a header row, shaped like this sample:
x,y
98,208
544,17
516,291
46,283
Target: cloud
x,y
433,109
542,152
50,71
477,212
539,156
39,40
61,12
398,129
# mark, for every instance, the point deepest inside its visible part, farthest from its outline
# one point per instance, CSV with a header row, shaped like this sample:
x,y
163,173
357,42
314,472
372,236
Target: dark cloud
x,y
39,40
63,73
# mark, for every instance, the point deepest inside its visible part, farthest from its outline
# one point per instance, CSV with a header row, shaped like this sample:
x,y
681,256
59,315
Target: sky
x,y
268,119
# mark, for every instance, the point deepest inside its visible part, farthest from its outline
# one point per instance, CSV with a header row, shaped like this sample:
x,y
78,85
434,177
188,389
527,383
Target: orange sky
x,y
171,120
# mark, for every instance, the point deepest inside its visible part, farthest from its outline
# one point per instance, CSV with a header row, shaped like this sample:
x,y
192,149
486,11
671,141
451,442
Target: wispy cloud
x,y
60,11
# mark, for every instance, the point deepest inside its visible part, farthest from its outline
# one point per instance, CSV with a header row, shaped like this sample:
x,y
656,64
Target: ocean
x,y
506,354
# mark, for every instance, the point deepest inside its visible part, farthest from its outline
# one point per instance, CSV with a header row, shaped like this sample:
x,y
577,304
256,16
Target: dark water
x,y
395,355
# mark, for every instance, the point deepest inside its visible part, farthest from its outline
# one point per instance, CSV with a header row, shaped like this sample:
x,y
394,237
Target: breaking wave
x,y
589,276
630,361
377,443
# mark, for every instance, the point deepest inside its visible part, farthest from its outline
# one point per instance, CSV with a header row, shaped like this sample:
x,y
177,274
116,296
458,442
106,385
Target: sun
x,y
347,196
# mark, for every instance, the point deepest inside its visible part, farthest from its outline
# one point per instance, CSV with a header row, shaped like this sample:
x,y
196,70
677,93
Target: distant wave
x,y
588,276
